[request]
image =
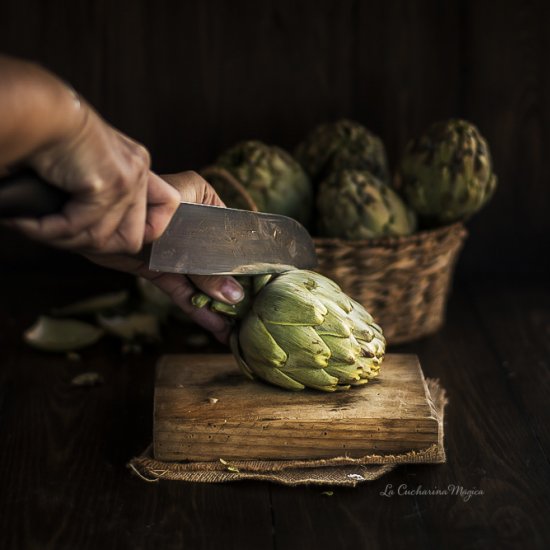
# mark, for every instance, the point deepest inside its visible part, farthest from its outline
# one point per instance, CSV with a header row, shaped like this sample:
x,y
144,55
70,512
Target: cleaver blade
x,y
212,240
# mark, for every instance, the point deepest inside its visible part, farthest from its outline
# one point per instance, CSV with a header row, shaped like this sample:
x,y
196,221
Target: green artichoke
x,y
341,145
274,180
300,330
446,174
356,205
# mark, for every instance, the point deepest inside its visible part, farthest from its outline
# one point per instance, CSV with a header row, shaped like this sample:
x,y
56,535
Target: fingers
x,y
193,188
180,290
178,287
107,175
162,202
220,287
117,230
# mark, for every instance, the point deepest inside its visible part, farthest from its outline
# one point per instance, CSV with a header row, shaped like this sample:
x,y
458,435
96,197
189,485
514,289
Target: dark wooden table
x,y
63,450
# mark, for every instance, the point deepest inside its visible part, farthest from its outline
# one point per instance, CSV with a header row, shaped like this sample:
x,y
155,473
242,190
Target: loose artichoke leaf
x,y
61,334
302,344
257,344
94,304
289,304
131,327
87,379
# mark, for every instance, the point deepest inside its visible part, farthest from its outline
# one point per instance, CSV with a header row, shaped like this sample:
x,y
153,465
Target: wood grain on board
x,y
206,409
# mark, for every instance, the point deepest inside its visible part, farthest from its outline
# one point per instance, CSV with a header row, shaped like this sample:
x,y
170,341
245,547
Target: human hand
x,y
180,288
116,202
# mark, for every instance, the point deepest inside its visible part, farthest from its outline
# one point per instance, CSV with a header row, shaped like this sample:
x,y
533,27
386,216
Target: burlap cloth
x,y
341,471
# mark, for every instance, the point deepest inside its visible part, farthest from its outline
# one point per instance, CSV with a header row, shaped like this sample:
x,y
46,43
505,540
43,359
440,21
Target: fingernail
x,y
232,291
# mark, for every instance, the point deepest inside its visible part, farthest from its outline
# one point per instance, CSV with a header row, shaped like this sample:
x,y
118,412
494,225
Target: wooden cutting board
x,y
205,409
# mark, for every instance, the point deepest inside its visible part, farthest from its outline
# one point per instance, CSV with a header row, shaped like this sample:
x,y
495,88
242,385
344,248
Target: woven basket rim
x,y
232,181
457,228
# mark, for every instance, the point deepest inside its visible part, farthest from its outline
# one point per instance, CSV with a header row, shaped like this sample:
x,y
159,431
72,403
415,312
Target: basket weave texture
x,y
404,282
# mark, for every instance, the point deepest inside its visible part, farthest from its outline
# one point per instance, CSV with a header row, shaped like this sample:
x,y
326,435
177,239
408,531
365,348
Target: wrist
x,y
38,110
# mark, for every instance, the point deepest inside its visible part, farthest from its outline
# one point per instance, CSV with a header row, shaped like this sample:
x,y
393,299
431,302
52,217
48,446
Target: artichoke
x,y
356,205
446,174
340,145
299,329
273,179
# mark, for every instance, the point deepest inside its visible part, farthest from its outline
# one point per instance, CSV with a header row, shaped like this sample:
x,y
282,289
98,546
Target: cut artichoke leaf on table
x,y
87,379
135,326
63,335
94,304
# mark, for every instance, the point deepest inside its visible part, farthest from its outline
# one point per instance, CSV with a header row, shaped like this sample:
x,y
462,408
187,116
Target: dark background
x,y
189,78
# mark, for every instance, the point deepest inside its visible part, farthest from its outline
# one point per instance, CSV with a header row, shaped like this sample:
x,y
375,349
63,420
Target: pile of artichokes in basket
x,y
299,329
338,183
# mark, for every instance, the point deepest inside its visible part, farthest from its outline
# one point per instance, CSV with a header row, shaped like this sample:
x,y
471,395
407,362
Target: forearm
x,y
36,110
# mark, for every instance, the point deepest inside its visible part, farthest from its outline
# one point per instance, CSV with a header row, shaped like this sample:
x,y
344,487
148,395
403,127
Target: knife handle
x,y
25,194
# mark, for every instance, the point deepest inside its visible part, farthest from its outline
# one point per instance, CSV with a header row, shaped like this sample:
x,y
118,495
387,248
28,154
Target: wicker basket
x,y
403,281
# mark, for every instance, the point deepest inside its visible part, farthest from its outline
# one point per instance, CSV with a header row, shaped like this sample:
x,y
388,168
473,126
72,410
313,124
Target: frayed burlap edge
x,y
341,471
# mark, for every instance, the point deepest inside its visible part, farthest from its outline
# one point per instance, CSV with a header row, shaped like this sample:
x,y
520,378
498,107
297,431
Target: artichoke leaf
x,y
335,325
94,304
87,379
277,377
131,327
347,374
333,296
236,350
260,281
343,350
303,345
312,377
200,300
289,304
258,344
61,334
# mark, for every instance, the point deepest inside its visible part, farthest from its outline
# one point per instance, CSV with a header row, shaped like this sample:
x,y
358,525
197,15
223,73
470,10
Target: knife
x,y
199,240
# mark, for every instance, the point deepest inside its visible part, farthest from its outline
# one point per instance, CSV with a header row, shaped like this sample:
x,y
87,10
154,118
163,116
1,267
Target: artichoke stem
x,y
200,300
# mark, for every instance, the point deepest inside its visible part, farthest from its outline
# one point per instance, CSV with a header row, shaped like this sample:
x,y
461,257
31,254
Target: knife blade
x,y
199,240
210,240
